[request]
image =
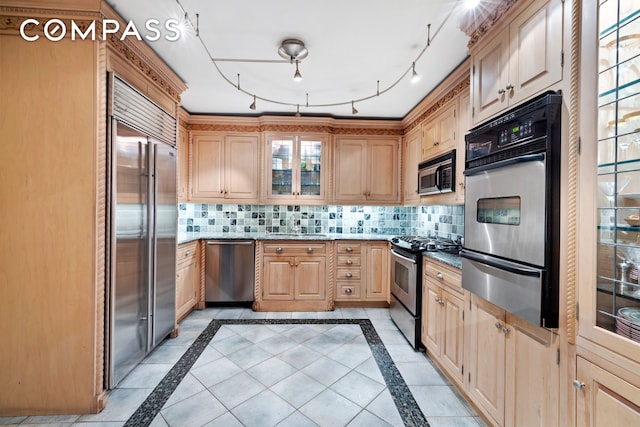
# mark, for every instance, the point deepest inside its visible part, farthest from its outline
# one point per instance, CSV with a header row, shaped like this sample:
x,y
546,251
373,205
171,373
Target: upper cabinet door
x,y
350,170
241,171
490,71
280,177
412,154
382,171
207,176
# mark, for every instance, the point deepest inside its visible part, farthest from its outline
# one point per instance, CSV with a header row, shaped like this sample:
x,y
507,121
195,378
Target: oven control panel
x,y
515,132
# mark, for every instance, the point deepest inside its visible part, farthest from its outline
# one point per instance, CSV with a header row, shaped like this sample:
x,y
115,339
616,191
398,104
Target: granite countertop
x,y
445,258
189,237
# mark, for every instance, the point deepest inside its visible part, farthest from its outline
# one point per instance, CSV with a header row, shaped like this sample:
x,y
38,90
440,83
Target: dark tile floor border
x,y
407,406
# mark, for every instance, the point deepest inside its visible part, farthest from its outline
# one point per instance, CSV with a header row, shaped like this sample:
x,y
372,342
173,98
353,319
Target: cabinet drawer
x,y
347,290
186,253
349,261
442,274
347,274
348,248
294,249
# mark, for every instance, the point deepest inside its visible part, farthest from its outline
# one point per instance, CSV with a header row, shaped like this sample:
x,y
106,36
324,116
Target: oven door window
x,y
499,210
402,277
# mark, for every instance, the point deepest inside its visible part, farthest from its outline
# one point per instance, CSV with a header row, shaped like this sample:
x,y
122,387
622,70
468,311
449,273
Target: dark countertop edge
x,y
445,258
190,237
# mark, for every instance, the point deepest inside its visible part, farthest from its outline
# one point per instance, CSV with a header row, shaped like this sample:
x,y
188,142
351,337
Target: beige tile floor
x,y
285,375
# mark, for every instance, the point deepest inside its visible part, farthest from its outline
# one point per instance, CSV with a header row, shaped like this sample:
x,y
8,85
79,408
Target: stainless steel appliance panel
x,y
130,273
437,175
165,220
516,288
404,278
404,321
229,271
522,241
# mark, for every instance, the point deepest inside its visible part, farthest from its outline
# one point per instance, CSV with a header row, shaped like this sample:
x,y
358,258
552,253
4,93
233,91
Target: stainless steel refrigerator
x,y
143,222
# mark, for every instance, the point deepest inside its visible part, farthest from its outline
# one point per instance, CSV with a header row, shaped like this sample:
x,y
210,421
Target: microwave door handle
x,y
499,264
439,178
503,163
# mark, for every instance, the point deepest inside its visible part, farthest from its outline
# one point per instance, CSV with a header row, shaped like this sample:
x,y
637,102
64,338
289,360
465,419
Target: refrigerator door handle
x,y
150,242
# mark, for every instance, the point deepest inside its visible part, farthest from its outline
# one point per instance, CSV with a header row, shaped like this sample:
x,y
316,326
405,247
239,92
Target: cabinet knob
x,y
349,262
278,249
439,275
435,143
348,275
309,249
349,249
501,91
187,253
578,385
509,86
348,291
498,325
461,185
506,330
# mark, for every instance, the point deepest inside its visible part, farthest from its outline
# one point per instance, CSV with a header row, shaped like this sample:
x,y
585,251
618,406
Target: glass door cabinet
x,y
617,302
296,171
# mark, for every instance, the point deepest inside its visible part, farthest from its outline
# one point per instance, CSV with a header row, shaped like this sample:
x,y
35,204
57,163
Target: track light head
x,y
253,104
415,77
353,109
297,76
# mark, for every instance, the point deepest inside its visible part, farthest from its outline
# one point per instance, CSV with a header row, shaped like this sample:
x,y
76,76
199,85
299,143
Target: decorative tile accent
x,y
437,221
405,402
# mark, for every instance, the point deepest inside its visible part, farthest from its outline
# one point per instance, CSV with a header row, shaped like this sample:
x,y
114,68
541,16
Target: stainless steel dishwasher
x,y
229,272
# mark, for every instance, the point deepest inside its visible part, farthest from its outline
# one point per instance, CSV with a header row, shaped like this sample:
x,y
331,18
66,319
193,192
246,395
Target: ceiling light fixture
x,y
415,77
294,50
253,104
297,76
471,4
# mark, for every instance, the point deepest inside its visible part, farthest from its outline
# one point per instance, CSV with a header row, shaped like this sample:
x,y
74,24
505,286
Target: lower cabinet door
x,y
452,339
186,287
605,399
279,278
310,278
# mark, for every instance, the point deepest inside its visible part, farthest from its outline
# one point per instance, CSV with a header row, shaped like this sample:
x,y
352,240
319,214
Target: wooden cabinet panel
x,y
183,164
377,280
438,133
519,62
310,283
486,353
452,336
412,155
429,138
605,400
351,170
464,124
187,278
432,318
382,171
207,176
279,278
241,167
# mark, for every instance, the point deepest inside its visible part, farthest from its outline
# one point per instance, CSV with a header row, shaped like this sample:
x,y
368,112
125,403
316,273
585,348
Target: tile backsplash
x,y
437,220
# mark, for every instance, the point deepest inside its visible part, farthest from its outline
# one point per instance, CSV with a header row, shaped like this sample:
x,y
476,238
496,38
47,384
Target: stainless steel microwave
x,y
437,175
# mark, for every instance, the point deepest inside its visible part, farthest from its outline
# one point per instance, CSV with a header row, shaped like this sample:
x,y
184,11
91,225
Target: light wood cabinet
x,y
513,367
411,156
183,164
296,168
464,124
362,271
225,167
292,277
439,132
443,317
366,170
187,278
604,399
521,61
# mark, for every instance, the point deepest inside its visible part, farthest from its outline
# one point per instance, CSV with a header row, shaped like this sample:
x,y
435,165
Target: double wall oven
x,y
512,210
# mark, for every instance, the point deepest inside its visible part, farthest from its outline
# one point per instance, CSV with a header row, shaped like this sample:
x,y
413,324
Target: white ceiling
x,y
351,43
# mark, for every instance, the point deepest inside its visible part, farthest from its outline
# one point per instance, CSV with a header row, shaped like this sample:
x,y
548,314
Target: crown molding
x,y
490,18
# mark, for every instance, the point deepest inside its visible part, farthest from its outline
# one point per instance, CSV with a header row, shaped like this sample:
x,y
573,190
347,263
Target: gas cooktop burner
x,y
425,243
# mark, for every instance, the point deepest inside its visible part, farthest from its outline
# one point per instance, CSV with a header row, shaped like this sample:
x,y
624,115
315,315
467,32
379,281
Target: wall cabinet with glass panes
x,y
608,363
296,168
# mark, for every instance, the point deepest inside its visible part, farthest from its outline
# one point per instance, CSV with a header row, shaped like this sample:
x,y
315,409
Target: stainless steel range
x,y
406,281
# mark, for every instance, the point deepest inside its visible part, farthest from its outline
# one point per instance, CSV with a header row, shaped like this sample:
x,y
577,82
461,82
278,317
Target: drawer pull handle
x,y
348,275
349,262
309,249
439,275
348,291
278,249
349,249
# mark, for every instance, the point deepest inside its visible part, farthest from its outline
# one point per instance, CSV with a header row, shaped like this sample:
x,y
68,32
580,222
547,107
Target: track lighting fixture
x,y
298,110
353,109
253,104
471,4
297,76
415,77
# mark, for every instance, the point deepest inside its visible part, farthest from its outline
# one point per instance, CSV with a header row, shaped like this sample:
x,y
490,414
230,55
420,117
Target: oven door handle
x,y
499,264
403,257
503,163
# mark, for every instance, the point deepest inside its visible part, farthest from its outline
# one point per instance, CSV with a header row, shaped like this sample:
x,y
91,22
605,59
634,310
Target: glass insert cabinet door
x,y
618,168
296,167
